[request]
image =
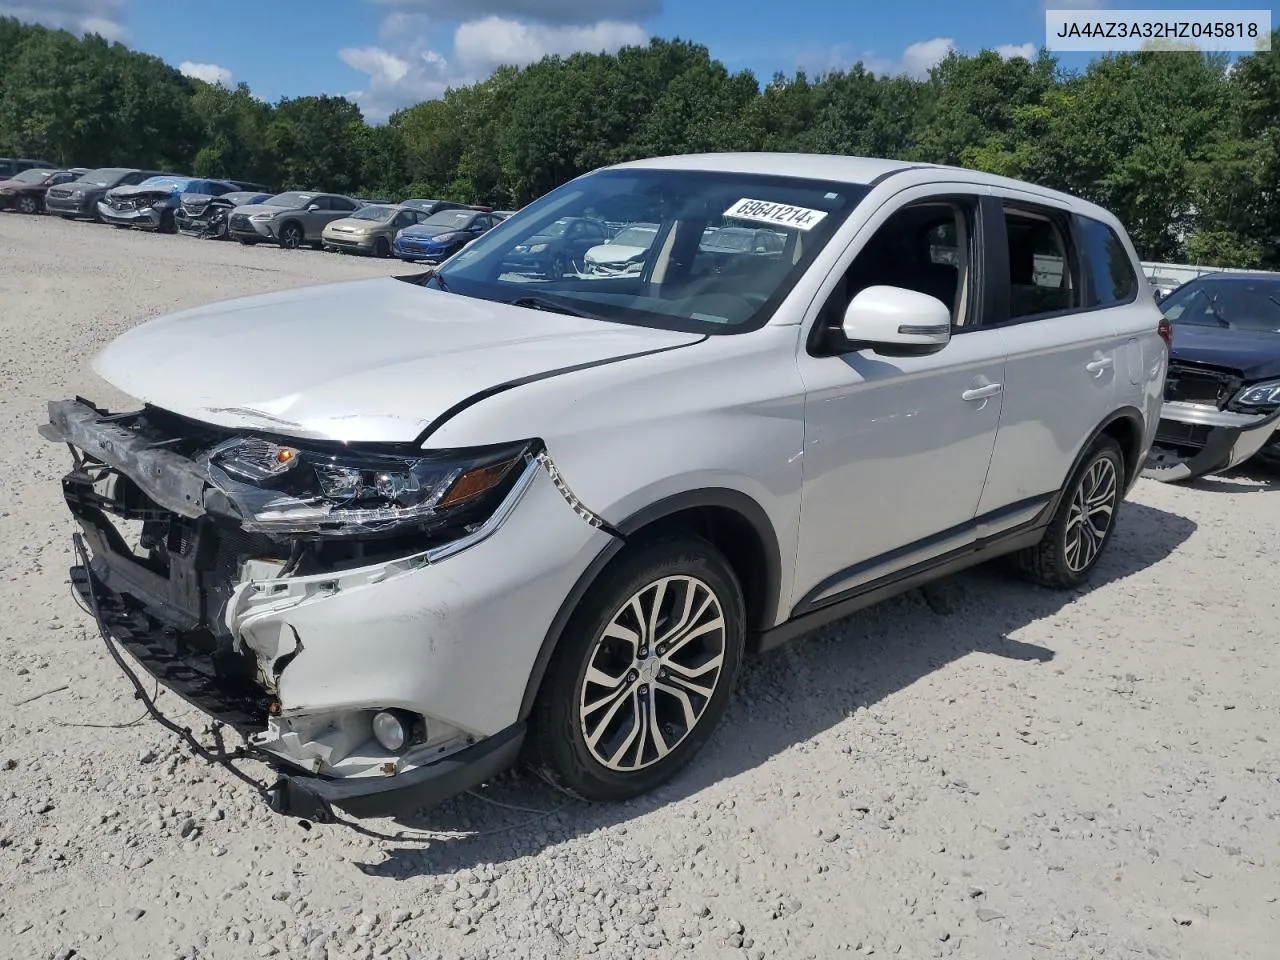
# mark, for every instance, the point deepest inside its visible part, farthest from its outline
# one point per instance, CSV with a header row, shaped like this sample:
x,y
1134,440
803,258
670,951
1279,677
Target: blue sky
x,y
390,53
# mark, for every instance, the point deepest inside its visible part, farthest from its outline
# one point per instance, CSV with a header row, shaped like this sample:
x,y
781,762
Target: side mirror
x,y
313,207
897,322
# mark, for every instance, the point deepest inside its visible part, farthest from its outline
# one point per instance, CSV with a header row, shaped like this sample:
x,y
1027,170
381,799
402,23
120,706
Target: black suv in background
x,y
79,199
1222,391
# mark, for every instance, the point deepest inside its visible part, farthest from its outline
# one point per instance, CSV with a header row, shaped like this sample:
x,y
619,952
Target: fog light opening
x,y
394,729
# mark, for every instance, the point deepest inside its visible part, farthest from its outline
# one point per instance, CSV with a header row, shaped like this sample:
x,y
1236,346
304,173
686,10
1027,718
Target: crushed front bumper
x,y
298,664
148,218
1195,440
168,657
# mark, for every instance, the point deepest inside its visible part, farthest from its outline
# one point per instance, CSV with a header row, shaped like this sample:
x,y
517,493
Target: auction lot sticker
x,y
777,214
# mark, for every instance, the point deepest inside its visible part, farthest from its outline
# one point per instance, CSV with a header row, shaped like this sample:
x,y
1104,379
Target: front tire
x,y
382,248
291,236
643,672
1081,529
28,205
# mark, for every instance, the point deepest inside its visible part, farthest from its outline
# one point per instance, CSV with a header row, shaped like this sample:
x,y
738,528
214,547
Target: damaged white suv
x,y
398,531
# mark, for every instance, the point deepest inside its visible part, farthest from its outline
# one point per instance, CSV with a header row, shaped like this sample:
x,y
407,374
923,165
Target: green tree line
x,y
1183,147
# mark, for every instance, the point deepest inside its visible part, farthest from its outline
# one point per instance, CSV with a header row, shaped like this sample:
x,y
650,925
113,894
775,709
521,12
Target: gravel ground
x,y
980,770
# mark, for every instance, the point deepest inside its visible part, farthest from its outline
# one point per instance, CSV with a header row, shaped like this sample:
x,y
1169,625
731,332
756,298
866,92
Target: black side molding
x,y
900,582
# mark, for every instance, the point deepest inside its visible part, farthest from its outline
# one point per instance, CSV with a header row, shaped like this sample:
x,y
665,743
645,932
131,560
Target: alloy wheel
x,y
652,673
1092,510
291,237
27,204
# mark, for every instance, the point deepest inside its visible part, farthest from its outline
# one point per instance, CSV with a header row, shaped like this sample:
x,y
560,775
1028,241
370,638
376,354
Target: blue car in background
x,y
442,235
153,204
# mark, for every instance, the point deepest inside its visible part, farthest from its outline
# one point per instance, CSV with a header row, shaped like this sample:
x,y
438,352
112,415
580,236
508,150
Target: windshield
x,y
105,176
381,214
635,237
173,183
679,283
1239,303
291,200
34,176
454,219
730,239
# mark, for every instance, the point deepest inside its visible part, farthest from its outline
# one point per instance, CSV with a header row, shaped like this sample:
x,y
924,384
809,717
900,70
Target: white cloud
x,y
545,11
208,72
405,68
495,41
396,80
1008,51
920,57
78,16
917,59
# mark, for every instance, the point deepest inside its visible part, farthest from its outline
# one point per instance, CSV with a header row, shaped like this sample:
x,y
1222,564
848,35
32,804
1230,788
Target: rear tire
x,y
1082,527
643,672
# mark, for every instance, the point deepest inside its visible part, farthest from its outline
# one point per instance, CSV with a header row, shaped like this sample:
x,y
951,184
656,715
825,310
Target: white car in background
x,y
623,254
479,517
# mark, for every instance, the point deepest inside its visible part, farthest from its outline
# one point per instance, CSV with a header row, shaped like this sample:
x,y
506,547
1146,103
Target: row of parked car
x,y
415,230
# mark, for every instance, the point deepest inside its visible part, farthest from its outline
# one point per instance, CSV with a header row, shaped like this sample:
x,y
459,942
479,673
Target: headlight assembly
x,y
281,489
1260,395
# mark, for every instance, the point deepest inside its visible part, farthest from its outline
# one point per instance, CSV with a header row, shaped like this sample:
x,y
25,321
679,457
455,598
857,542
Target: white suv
x,y
396,531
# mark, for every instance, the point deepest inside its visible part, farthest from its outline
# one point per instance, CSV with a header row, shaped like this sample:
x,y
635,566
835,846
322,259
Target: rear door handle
x,y
1097,366
982,393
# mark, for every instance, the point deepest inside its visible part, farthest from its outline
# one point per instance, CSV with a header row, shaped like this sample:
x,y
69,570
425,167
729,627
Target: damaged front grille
x,y
1208,386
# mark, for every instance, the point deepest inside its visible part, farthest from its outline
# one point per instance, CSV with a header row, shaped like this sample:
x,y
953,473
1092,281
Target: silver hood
x,y
367,360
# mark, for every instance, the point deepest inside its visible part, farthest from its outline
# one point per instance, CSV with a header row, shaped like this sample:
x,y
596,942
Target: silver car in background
x,y
290,219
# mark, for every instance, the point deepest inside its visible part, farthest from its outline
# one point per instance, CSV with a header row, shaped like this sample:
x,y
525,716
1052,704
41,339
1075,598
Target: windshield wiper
x,y
435,275
552,306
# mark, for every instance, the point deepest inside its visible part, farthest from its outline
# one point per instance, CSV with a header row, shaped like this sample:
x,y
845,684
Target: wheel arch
x,y
729,519
1126,426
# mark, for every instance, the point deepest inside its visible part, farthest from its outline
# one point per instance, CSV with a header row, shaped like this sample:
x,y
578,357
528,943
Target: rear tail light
x,y
1165,329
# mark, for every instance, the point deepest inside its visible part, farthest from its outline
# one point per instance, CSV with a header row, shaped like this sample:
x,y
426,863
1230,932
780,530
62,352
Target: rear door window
x,y
1043,269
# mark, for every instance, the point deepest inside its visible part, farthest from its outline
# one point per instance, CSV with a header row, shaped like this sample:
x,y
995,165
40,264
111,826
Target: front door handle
x,y
1096,367
982,393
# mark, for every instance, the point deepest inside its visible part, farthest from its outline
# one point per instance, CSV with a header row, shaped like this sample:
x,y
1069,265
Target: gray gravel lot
x,y
981,770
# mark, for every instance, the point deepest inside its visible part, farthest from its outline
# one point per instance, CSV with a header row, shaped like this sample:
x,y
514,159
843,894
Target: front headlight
x,y
447,237
537,248
275,488
1260,395
261,216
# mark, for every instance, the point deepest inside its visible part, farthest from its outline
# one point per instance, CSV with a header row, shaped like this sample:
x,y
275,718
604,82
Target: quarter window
x,y
1043,271
1110,268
